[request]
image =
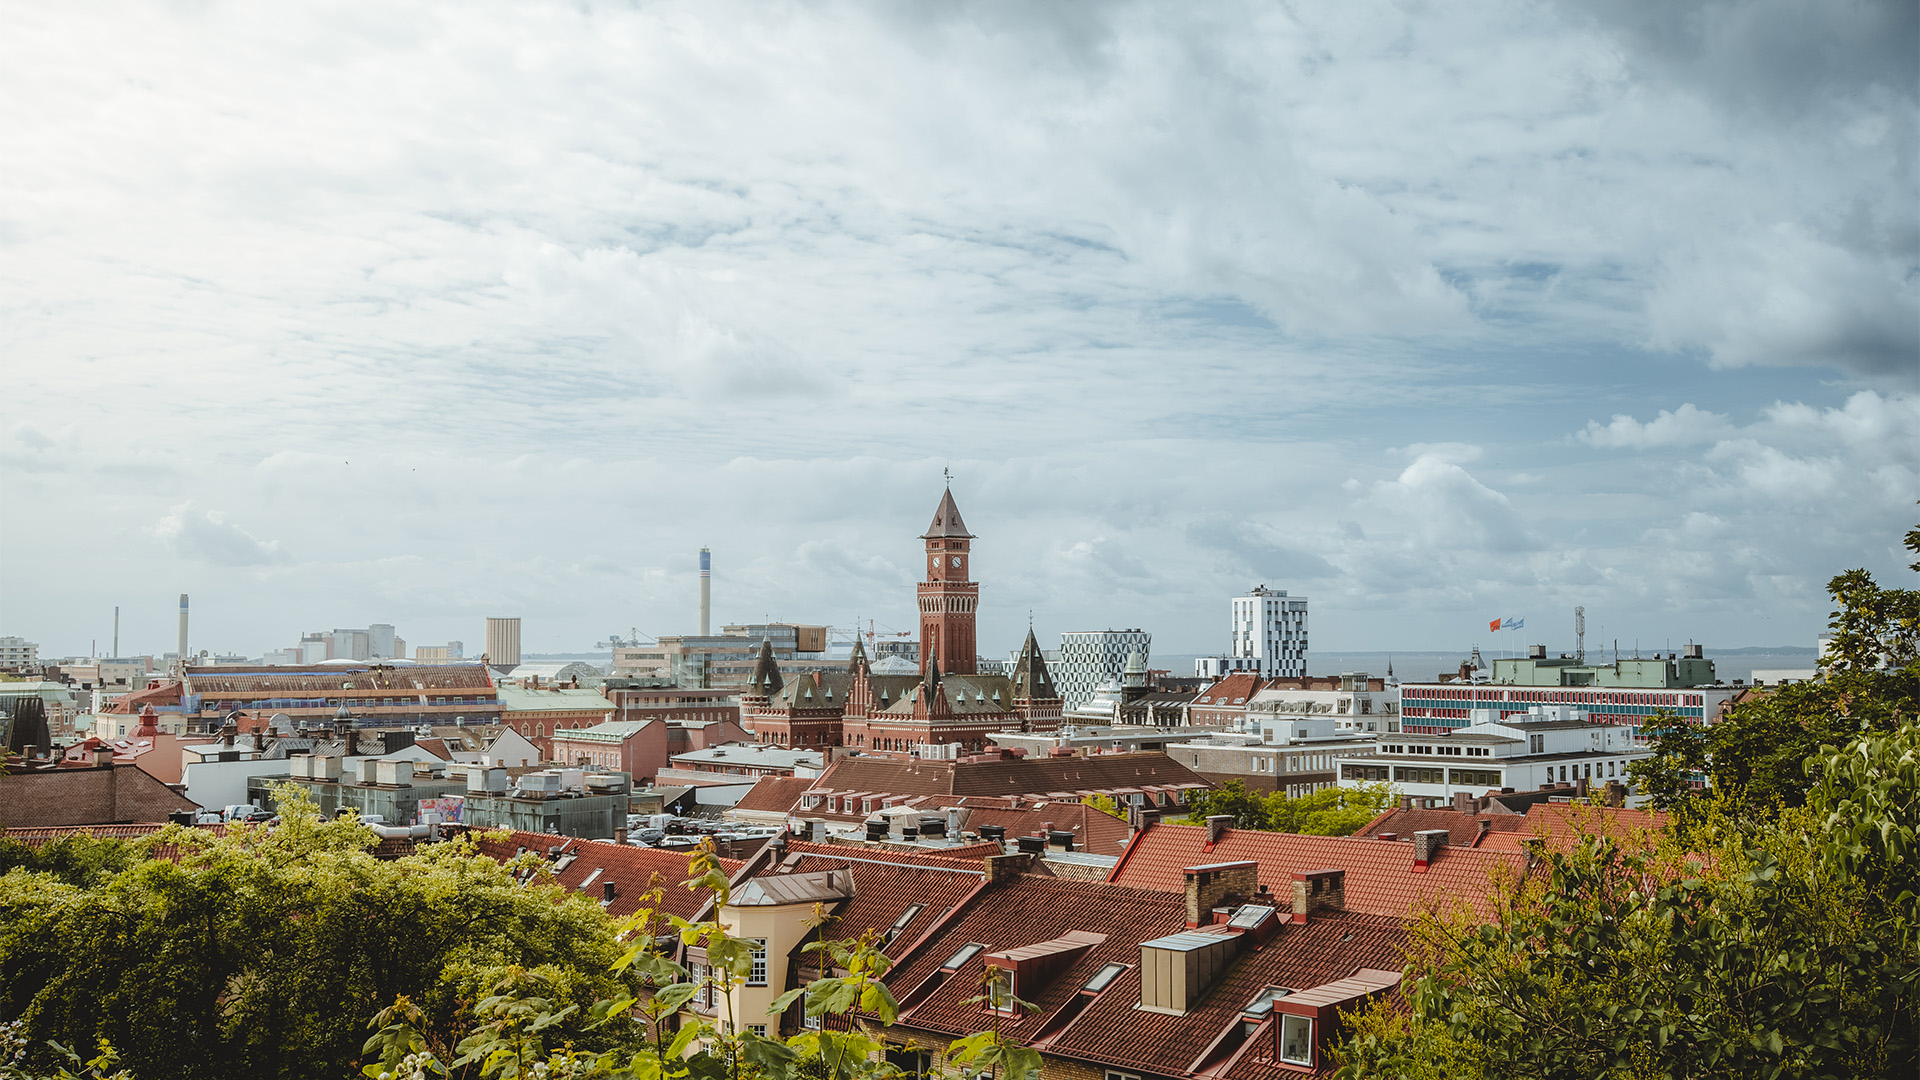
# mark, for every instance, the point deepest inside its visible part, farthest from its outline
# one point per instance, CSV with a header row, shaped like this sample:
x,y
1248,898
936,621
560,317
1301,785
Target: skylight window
x,y
906,917
1103,977
966,953
1262,1002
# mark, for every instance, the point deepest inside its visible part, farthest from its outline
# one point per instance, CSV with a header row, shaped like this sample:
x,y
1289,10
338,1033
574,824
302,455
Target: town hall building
x,y
948,702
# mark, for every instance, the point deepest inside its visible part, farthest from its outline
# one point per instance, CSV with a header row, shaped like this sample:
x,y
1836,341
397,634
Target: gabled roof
x,y
1562,824
1024,911
1236,688
812,690
1380,878
946,521
967,695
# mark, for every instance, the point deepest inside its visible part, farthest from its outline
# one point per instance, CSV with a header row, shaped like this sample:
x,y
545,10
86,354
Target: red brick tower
x,y
947,597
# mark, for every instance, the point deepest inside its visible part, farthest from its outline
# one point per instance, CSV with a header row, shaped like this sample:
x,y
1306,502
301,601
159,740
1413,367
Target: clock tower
x,y
948,596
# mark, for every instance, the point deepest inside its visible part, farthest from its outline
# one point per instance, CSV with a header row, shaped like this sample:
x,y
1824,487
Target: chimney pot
x,y
606,891
1217,825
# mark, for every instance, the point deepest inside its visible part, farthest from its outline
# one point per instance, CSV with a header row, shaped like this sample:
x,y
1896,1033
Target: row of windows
x,y
1553,697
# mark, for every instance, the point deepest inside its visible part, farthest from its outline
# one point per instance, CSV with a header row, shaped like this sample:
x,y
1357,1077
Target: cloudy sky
x,y
330,314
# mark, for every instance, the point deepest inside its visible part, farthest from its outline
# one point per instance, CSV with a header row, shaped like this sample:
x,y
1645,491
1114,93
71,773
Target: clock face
x,y
956,560
936,562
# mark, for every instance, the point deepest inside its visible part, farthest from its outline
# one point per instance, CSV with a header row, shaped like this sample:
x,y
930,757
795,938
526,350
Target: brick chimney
x,y
103,757
1007,867
1616,794
1318,890
1216,884
1427,845
1218,824
1463,802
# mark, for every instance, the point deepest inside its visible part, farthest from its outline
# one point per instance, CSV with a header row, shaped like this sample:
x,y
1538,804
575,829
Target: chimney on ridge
x,y
1427,845
1319,890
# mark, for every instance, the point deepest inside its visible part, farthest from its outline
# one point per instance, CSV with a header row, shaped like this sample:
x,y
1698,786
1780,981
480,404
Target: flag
x,y
1514,624
1494,625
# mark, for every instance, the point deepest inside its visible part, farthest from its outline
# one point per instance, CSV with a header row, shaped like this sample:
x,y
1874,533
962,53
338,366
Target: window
x,y
966,953
1474,777
1000,995
1114,1074
1102,977
758,1029
1363,772
758,975
1296,1040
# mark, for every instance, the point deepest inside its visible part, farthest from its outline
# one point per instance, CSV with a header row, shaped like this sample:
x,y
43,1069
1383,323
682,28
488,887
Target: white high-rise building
x,y
1091,658
1269,633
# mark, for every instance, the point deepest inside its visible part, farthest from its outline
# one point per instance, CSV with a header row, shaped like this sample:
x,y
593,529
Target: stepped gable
x,y
1381,875
1112,922
593,863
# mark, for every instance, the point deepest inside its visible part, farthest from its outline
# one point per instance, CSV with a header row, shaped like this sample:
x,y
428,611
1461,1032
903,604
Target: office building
x,y
503,643
1269,637
1636,691
1496,751
1092,658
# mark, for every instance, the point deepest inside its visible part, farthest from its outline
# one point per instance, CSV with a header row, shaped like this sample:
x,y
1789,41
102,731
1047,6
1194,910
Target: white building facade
x,y
1092,658
1270,630
1548,745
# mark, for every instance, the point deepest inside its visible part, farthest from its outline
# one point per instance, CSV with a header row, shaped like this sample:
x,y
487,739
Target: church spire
x,y
946,521
1031,680
858,662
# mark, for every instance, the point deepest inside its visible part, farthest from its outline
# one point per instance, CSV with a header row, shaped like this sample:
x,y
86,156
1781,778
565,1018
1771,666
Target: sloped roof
x,y
1027,910
1562,824
1380,878
885,885
765,679
946,521
1038,777
813,690
631,869
324,682
1241,685
967,695
774,794
1030,678
1099,833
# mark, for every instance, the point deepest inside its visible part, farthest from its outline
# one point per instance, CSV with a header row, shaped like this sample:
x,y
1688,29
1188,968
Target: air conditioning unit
x,y
301,766
487,781
546,782
323,768
573,779
393,772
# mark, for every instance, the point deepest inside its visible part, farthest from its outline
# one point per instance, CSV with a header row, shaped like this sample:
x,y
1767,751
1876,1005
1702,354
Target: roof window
x,y
1102,978
966,953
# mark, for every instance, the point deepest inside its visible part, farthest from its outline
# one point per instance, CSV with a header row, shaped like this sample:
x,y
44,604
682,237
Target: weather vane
x,y
948,473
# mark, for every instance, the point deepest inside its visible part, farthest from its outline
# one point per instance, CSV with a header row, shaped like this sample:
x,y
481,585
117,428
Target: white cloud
x,y
207,536
470,305
1684,426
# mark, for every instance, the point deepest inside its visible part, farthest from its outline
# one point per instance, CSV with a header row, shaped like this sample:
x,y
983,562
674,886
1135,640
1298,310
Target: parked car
x,y
243,812
680,842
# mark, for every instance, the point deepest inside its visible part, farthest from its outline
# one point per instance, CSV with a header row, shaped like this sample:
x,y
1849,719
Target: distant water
x,y
1423,666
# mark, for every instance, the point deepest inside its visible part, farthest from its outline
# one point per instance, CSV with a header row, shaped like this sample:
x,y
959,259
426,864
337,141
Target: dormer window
x,y
1000,996
1296,1040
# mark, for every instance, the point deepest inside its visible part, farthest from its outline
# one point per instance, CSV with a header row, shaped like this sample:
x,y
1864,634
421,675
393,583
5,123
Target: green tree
x,y
260,952
1753,759
1334,811
1776,949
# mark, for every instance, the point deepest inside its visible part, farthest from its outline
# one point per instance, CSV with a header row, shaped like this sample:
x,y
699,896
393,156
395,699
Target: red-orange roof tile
x,y
1380,878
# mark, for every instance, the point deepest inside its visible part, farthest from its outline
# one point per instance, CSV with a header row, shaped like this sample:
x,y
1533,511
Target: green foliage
x,y
1108,806
75,859
258,952
1334,811
1783,949
1753,759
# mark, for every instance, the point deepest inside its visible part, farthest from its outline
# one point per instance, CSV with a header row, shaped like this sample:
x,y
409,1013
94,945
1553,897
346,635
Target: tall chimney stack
x,y
182,654
706,593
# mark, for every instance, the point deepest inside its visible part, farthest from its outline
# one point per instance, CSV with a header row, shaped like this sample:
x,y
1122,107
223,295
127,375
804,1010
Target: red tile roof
x,y
1111,1030
631,869
1104,772
1380,878
1462,829
1561,825
774,794
886,885
1233,690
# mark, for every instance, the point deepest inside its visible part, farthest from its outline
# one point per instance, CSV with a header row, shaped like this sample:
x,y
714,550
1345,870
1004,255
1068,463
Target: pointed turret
x,y
1031,680
933,675
765,681
858,663
946,521
1136,670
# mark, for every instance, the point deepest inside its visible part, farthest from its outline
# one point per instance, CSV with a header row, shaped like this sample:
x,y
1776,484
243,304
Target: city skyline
x,y
328,316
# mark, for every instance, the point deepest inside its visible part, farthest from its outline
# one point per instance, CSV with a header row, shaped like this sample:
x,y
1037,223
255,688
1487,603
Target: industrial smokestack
x,y
706,593
182,654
